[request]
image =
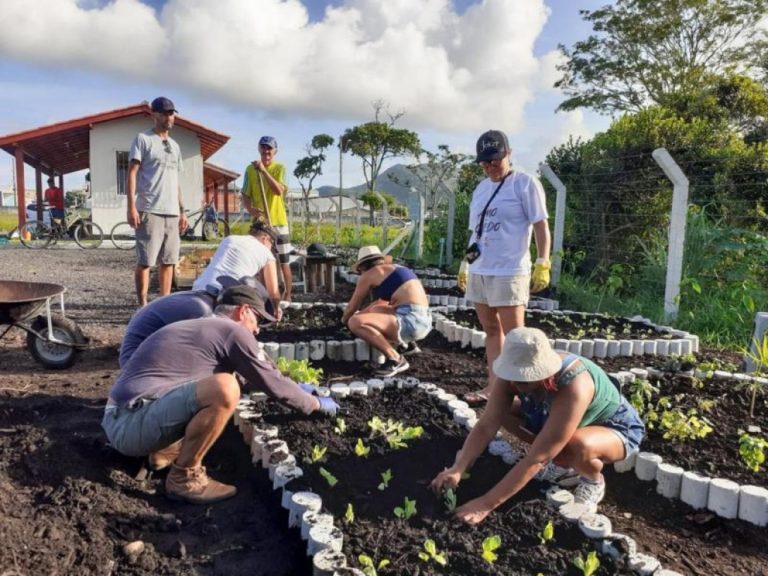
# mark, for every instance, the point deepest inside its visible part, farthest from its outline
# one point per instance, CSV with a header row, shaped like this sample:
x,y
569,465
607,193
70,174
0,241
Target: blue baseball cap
x,y
268,141
163,104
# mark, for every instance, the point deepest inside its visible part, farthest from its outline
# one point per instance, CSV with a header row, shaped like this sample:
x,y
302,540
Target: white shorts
x,y
496,291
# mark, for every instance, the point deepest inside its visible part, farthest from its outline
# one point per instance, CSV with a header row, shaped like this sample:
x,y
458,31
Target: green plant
x,y
395,433
299,370
341,426
318,453
684,426
407,510
641,393
369,567
349,514
431,553
547,533
330,478
588,566
386,476
490,545
449,497
361,449
759,357
752,451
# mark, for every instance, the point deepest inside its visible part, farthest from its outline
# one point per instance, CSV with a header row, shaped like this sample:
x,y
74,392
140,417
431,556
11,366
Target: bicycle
x,y
36,234
124,237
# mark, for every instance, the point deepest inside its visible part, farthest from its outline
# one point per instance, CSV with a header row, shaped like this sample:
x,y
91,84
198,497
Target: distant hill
x,y
396,180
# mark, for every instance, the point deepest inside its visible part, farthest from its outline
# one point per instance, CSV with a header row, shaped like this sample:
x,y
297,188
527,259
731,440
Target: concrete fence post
x,y
677,222
557,239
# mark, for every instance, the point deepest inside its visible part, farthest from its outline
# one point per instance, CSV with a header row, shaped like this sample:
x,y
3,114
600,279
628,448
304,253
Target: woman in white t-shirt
x,y
506,208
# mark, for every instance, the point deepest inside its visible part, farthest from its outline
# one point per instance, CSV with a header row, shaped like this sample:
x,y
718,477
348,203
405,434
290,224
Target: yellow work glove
x,y
461,279
540,276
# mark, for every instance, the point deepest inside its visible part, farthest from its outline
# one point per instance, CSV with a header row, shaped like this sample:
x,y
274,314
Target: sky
x,y
295,68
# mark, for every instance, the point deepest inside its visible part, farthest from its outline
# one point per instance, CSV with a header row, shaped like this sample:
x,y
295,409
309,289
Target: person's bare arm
x,y
364,285
132,215
542,238
275,185
269,274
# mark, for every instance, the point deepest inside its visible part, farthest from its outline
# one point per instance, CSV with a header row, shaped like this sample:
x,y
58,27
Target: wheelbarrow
x,y
53,339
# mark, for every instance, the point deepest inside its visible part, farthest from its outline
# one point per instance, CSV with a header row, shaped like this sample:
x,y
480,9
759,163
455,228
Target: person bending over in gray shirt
x,y
174,396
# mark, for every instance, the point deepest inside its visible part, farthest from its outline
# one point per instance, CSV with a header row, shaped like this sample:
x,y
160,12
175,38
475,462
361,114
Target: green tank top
x,y
606,399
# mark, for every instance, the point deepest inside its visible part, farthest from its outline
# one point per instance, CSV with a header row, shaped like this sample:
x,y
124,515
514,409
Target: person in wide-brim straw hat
x,y
569,411
399,315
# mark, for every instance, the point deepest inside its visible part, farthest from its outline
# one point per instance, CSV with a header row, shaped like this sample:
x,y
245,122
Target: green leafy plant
x,y
386,477
396,433
369,567
759,357
299,370
588,566
341,426
318,453
431,553
490,545
449,497
330,478
349,514
547,533
752,451
678,425
641,393
407,510
361,449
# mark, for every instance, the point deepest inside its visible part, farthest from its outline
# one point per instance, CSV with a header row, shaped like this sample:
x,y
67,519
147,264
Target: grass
x,y
8,221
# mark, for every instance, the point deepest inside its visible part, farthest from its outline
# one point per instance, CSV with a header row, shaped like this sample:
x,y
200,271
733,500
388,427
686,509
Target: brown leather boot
x,y
163,457
194,485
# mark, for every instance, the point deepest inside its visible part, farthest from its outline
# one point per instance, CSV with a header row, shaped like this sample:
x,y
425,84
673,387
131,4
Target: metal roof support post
x,y
21,201
676,230
557,239
39,191
449,233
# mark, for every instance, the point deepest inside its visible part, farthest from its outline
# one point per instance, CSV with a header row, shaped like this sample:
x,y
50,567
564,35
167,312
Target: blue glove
x,y
328,406
308,388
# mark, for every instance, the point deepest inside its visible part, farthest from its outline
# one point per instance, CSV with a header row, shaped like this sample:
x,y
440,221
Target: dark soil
x,y
68,505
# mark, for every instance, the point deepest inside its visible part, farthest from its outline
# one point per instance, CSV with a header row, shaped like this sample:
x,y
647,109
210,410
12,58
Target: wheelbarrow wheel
x,y
52,355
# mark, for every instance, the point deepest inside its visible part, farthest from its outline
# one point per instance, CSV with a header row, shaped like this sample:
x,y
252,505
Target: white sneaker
x,y
590,493
554,474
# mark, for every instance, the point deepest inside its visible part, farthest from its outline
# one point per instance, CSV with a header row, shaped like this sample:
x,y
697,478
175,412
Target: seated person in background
x,y
400,311
564,406
173,398
186,305
244,256
55,197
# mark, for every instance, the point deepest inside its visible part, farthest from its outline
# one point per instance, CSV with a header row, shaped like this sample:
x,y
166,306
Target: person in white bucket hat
x,y
564,406
399,315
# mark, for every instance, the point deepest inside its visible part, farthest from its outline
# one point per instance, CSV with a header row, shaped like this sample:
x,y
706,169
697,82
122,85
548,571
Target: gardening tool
x,y
269,223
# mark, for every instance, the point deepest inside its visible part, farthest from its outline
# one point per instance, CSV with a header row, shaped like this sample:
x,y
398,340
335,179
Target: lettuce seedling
x,y
490,545
408,509
547,533
318,453
752,451
588,566
449,497
349,515
386,476
369,568
330,478
340,427
299,370
361,449
431,553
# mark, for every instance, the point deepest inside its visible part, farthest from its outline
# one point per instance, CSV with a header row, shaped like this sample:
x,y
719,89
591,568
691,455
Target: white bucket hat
x,y
367,253
526,357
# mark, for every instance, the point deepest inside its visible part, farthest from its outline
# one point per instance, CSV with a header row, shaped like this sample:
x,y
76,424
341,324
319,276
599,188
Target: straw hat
x,y
368,253
526,357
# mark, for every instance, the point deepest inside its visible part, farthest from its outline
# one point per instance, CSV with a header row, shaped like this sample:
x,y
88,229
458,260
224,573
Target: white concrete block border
x,y
724,497
325,540
680,343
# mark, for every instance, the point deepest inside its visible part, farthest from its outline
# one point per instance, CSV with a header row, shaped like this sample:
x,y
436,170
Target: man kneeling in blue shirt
x,y
174,396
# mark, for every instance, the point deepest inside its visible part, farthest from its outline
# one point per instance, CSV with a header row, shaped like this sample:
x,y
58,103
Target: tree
x,y
373,201
374,142
310,167
646,51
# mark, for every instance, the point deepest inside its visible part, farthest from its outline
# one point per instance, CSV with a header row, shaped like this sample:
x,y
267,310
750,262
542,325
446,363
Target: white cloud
x,y
449,72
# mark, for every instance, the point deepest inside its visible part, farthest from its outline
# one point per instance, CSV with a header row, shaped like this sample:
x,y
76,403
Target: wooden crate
x,y
190,266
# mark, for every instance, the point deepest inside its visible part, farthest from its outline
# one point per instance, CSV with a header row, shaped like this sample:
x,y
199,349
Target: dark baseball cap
x,y
492,145
163,104
242,295
268,141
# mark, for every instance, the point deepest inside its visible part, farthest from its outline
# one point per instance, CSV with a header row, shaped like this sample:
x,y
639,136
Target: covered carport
x,y
217,181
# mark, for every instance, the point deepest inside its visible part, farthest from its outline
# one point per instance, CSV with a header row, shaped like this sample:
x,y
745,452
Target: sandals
x,y
476,398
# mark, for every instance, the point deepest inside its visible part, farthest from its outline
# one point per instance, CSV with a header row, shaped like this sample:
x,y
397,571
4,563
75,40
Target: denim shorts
x,y
414,322
151,424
